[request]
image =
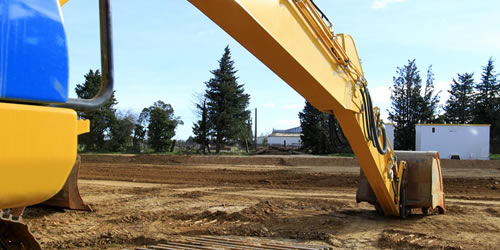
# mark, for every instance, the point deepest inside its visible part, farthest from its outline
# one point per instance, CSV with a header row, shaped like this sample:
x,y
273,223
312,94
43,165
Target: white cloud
x,y
269,105
293,106
381,97
380,94
380,4
442,86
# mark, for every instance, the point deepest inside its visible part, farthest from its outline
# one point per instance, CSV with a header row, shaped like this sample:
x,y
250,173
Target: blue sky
x,y
164,50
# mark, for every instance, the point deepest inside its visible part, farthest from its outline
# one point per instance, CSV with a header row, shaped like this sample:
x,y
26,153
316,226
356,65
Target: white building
x,y
469,142
261,139
288,137
292,136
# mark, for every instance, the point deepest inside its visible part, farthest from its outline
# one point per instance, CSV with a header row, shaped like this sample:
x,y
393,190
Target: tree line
x,y
224,118
413,102
470,102
114,131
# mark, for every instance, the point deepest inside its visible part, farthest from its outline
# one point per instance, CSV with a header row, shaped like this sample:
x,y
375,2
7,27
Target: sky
x,y
165,49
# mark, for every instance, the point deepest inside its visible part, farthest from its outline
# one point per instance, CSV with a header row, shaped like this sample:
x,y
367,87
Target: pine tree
x,y
161,125
201,129
458,108
406,105
429,110
314,124
100,120
485,108
321,133
227,103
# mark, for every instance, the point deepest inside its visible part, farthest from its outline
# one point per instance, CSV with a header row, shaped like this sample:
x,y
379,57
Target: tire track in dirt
x,y
138,204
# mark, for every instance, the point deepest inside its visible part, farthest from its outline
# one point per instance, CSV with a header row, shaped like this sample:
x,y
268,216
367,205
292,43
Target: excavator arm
x,y
296,41
291,38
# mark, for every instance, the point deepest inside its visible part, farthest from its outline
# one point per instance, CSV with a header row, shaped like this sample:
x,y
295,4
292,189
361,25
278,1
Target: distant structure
x,y
389,131
286,137
292,137
457,141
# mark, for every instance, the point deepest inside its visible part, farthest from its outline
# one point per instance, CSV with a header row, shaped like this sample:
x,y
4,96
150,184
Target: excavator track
x,y
14,234
217,243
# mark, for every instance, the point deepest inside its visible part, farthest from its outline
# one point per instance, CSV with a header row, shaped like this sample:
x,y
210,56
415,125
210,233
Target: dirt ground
x,y
146,200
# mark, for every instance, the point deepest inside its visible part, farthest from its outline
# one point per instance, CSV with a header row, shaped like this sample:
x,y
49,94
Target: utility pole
x,y
255,144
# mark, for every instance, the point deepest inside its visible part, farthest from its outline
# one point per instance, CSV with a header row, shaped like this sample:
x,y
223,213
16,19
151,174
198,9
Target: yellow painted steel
x,y
63,2
37,153
291,39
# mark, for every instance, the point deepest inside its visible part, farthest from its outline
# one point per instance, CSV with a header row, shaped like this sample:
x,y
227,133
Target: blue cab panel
x,y
33,51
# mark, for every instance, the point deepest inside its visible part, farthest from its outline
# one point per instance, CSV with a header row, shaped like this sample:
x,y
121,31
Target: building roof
x,y
284,135
296,130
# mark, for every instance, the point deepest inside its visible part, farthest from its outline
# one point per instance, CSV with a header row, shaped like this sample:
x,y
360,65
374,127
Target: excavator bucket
x,y
69,196
424,182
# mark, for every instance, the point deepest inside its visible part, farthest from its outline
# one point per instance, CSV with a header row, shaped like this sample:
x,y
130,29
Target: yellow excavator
x,y
39,124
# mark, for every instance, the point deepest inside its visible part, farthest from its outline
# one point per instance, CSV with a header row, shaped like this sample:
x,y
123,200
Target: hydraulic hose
x,y
372,123
336,134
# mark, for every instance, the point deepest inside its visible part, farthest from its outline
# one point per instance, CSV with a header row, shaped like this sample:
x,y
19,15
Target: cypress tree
x,y
458,108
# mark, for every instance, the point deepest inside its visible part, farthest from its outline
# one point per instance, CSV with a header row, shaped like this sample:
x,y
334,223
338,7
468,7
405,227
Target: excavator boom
x,y
297,42
293,41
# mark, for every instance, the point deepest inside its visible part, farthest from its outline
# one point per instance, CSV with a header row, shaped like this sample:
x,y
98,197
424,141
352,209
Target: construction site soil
x,y
141,200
